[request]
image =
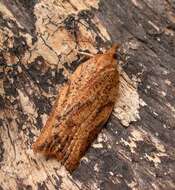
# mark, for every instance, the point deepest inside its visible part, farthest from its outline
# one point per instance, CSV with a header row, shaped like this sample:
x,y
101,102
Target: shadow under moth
x,y
83,106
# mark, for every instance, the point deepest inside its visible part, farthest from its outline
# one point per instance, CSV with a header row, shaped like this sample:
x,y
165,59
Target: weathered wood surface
x,y
39,47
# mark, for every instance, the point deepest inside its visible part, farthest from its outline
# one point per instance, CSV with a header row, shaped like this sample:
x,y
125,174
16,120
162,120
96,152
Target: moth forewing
x,y
83,106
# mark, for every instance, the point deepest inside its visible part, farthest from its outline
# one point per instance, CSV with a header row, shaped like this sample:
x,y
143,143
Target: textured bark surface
x,y
41,43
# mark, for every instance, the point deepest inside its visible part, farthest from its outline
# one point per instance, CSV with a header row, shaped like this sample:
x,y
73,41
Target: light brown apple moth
x,y
83,106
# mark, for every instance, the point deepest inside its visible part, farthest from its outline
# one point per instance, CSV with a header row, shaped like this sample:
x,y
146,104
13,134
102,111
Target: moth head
x,y
110,54
112,51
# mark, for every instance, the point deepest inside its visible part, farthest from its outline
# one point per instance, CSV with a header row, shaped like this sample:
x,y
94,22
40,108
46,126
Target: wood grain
x,y
35,61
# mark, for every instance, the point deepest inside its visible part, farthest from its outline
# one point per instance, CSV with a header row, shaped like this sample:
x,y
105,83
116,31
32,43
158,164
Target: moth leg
x,y
85,136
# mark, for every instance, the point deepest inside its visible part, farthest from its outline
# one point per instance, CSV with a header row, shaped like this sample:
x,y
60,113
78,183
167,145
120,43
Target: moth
x,y
83,106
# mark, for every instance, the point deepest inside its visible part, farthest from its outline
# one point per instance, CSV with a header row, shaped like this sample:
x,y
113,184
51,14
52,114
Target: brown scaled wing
x,y
84,105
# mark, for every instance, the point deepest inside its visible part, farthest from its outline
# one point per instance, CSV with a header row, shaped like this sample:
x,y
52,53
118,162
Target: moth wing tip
x,y
34,147
37,146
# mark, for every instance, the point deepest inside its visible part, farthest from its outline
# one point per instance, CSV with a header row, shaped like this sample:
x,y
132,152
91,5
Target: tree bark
x,y
41,44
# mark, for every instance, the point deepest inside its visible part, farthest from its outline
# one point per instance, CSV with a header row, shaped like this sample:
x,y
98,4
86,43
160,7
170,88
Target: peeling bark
x,y
41,43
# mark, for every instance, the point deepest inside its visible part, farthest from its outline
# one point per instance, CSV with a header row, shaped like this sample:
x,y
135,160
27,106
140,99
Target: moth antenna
x,y
85,53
